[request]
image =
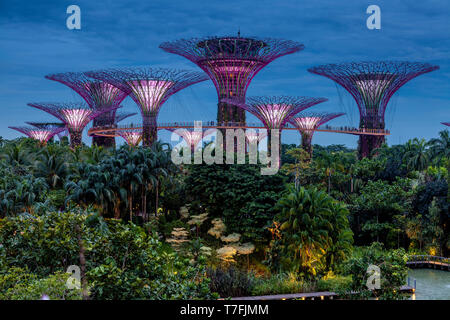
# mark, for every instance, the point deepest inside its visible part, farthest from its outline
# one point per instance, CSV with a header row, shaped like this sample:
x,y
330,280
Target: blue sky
x,y
34,41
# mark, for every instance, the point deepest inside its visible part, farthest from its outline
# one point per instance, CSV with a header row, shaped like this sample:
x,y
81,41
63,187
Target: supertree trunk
x,y
367,144
307,143
229,113
75,138
106,142
150,131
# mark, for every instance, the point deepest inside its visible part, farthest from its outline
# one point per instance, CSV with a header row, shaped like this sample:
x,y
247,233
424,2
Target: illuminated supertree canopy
x,y
132,137
446,123
40,134
254,136
274,112
308,122
50,125
149,88
231,62
372,84
75,116
97,94
192,137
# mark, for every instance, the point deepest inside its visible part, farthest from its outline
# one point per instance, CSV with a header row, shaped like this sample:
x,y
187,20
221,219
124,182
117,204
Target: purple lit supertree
x,y
98,95
50,125
275,112
231,63
192,137
75,116
132,137
149,88
446,123
40,134
372,85
308,122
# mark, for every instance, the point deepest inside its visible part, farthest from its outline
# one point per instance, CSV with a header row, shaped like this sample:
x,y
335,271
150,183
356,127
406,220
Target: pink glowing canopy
x,y
75,115
231,62
373,83
310,121
132,137
253,135
274,112
149,87
97,94
149,94
40,134
192,137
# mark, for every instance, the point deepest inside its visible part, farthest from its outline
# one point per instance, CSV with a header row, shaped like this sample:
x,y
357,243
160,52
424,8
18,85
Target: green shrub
x,y
53,286
282,283
335,284
231,282
123,261
393,271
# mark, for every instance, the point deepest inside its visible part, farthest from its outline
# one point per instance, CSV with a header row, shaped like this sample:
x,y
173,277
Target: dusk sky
x,y
34,42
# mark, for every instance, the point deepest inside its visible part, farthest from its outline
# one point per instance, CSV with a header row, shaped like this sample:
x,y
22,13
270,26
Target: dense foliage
x,y
142,227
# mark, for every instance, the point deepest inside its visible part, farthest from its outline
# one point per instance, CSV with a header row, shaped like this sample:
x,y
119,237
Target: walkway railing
x,y
111,130
428,260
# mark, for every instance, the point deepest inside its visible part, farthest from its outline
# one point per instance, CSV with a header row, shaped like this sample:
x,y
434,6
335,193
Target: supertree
x,y
50,125
231,62
98,95
132,136
149,88
75,116
40,134
446,123
274,112
372,84
308,122
192,137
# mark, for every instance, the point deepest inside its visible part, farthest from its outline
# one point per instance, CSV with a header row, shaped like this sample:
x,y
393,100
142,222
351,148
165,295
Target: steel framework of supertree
x,y
231,63
372,84
132,136
98,95
149,88
308,122
192,137
120,116
446,124
49,125
40,134
76,116
275,111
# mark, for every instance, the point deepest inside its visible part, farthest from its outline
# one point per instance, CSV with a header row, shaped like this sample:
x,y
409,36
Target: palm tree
x,y
416,155
440,147
304,227
53,164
